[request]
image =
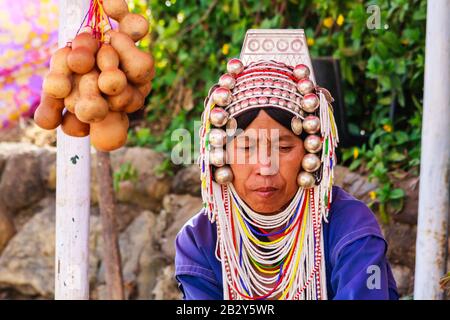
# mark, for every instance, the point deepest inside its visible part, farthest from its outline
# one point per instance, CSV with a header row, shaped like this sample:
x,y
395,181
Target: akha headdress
x,y
274,71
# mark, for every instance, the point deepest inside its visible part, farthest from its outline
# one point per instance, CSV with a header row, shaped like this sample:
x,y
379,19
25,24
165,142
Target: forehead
x,y
263,126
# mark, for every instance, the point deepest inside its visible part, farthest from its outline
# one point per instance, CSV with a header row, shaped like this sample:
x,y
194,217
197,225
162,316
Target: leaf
x,y
396,194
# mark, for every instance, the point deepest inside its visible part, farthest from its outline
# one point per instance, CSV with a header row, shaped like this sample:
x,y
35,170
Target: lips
x,y
265,192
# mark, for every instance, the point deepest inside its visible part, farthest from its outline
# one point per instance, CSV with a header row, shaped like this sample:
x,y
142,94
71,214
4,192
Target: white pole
x,y
431,245
72,187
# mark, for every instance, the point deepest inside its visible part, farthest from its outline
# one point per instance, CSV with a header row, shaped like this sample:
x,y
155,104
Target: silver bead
x,y
259,82
217,157
310,162
257,91
273,100
267,91
313,143
218,117
268,82
223,175
253,101
235,66
278,84
217,137
263,100
301,71
306,180
227,81
248,93
282,102
311,124
276,92
296,125
244,104
305,86
284,94
222,96
240,95
310,102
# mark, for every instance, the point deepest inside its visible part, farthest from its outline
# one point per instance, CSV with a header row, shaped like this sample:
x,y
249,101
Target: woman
x,y
273,226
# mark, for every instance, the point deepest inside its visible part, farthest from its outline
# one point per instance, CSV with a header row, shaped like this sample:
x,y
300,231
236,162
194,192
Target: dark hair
x,y
281,116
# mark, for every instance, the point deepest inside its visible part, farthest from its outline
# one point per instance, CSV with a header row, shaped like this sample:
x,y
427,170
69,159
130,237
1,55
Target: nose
x,y
268,164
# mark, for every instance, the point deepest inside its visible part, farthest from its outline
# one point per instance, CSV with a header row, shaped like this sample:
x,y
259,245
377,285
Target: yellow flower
x,y
328,22
340,20
372,195
310,42
226,49
387,128
355,153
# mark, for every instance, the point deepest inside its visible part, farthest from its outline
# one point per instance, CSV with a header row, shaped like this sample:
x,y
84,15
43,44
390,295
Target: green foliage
x,y
381,67
125,172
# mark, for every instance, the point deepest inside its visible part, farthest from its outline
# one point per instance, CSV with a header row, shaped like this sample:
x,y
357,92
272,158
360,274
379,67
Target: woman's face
x,y
265,160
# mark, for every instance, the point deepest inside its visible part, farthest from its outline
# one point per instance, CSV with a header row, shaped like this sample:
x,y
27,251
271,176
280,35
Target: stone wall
x,y
150,211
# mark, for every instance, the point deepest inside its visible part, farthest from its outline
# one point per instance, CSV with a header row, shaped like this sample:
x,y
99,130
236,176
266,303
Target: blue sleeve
x,y
197,288
361,271
194,258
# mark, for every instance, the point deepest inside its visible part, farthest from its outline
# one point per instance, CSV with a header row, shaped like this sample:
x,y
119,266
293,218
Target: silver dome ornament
x,y
296,125
218,117
223,175
313,143
217,157
306,180
231,127
310,162
263,100
227,81
253,101
235,66
310,102
305,86
311,124
222,96
217,137
301,71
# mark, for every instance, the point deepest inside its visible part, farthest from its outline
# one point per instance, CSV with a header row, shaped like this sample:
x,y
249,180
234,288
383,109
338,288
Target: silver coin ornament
x,y
222,96
305,86
310,162
313,143
301,71
231,126
235,66
306,180
223,175
217,157
311,124
227,81
218,117
310,102
217,137
297,125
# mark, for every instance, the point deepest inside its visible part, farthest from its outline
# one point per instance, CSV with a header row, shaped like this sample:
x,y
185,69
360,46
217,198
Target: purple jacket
x,y
355,255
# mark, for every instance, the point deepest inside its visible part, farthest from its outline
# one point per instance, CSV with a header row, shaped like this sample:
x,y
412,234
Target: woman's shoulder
x,y
198,233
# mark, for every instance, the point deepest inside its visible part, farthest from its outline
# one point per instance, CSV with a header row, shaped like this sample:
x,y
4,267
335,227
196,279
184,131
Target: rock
x,y
141,263
27,263
150,186
21,184
166,287
48,167
7,228
187,181
404,278
354,183
179,209
402,243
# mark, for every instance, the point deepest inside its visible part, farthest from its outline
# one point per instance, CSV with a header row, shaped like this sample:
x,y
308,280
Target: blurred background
x,y
370,52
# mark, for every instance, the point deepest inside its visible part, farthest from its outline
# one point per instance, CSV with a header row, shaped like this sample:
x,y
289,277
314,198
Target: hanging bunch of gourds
x,y
98,77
